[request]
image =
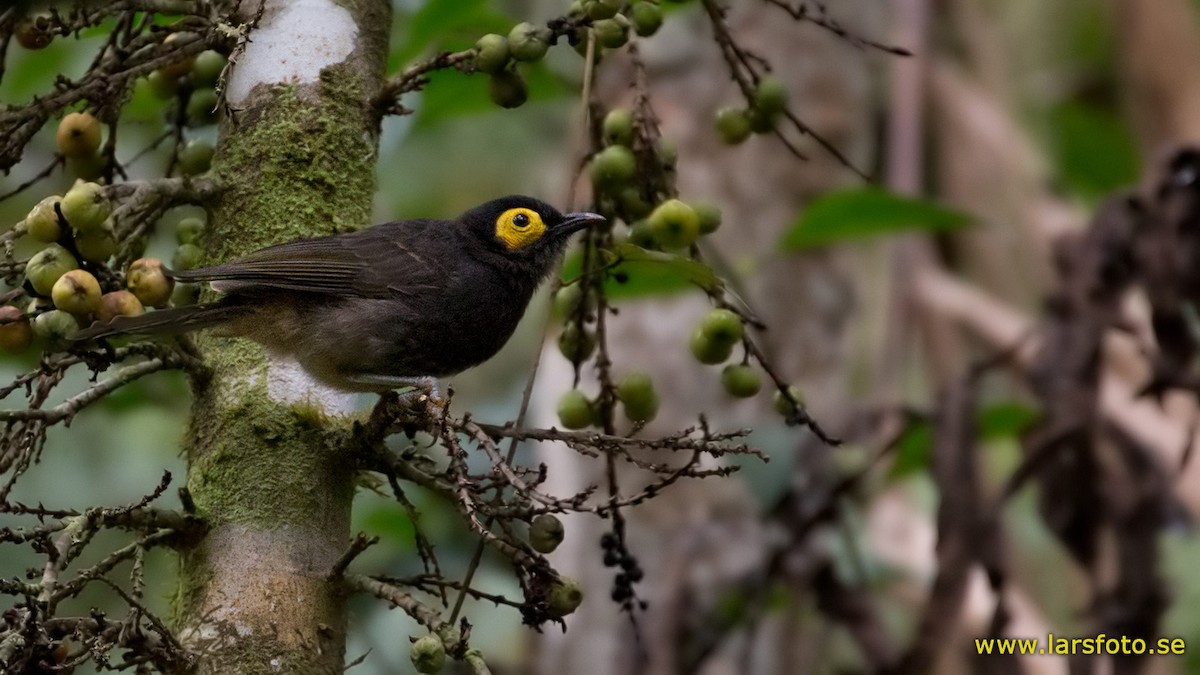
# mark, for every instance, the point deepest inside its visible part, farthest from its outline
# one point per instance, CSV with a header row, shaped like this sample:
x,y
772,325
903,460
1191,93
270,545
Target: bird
x,y
379,308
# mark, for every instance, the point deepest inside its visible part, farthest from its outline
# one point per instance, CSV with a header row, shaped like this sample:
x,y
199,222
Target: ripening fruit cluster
x,y
68,277
630,180
611,20
767,104
191,82
712,343
635,392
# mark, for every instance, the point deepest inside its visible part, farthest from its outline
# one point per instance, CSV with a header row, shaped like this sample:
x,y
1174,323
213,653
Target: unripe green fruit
x,y
428,654
202,108
207,69
581,44
618,127
598,10
507,89
709,215
46,266
771,96
98,245
147,280
564,598
38,305
85,207
647,18
179,68
527,42
674,224
722,327
184,295
189,231
741,380
15,332
42,221
574,411
576,344
632,203
76,292
760,122
782,405
576,8
546,533
78,135
640,235
613,166
708,351
636,393
733,125
569,299
196,157
55,327
187,257
164,88
491,53
118,303
667,153
610,33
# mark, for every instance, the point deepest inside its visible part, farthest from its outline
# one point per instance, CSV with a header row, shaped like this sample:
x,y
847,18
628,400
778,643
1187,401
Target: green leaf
x,y
449,24
867,212
1094,149
914,450
390,521
636,272
1005,420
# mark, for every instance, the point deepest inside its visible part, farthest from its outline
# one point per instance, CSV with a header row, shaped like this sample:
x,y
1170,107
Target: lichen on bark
x,y
254,595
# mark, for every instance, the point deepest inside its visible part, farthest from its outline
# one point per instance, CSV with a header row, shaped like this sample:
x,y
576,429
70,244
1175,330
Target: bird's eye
x,y
519,227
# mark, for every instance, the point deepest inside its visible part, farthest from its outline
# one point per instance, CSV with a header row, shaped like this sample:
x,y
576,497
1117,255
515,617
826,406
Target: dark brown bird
x,y
374,309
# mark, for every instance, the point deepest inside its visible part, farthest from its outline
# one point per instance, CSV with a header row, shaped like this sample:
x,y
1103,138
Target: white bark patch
x,y
292,43
287,382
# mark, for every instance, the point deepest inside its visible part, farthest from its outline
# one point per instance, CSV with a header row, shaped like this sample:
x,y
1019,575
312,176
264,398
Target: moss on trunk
x,y
254,595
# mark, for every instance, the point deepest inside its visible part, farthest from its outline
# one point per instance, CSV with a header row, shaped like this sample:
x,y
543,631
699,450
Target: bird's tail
x,y
172,321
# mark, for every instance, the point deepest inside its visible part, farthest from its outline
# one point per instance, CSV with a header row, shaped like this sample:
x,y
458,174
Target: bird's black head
x,y
525,231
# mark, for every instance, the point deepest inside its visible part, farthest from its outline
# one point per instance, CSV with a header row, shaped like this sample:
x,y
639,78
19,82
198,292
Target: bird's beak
x,y
574,222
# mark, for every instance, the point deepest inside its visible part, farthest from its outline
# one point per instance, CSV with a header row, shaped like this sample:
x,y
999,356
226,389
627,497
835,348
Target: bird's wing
x,y
378,262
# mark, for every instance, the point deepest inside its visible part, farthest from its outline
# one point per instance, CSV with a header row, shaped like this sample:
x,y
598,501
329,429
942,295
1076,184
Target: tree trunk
x,y
296,152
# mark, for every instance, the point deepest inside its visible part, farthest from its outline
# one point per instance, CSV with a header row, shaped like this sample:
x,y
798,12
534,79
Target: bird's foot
x,y
412,391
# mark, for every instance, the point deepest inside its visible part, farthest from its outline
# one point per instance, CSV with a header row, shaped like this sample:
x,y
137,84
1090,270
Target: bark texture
x,y
297,156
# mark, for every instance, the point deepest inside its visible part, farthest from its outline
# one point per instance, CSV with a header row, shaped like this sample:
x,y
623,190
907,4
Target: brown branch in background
x,y
746,69
803,11
960,537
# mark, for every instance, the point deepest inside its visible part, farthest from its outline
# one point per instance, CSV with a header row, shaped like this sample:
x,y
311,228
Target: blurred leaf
x,y
391,523
867,212
913,449
1005,420
451,94
647,273
1093,148
1002,420
440,22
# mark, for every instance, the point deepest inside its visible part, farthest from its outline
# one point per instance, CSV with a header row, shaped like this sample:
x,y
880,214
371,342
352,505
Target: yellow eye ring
x,y
519,227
